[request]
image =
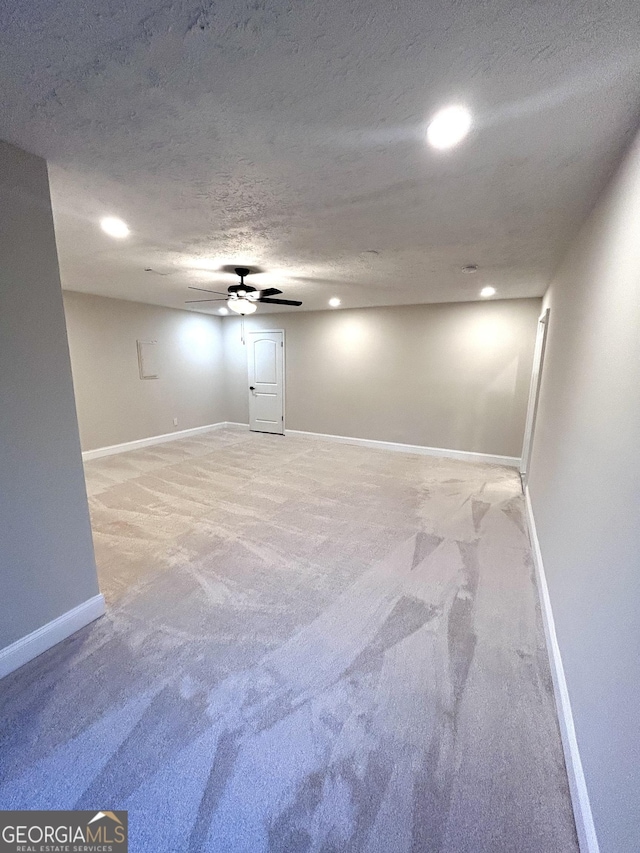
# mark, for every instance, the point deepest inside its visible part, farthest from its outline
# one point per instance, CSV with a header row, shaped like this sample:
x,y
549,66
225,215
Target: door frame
x,y
284,374
534,394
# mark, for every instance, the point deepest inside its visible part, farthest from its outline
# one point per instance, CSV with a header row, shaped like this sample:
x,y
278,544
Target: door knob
x,y
251,388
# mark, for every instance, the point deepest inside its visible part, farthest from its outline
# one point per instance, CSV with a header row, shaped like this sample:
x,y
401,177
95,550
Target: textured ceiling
x,y
290,135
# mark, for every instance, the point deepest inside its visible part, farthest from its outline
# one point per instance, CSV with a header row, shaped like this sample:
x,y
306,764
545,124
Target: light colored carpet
x,y
309,647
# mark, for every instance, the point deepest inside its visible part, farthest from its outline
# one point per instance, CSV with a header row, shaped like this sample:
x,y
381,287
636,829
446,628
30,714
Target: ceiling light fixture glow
x,y
486,292
334,302
448,127
114,227
241,306
223,310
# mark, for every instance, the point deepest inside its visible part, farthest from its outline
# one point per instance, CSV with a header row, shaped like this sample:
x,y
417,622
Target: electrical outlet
x,y
175,422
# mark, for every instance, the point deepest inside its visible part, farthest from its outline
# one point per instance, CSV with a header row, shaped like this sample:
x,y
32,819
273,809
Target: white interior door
x,y
534,392
265,354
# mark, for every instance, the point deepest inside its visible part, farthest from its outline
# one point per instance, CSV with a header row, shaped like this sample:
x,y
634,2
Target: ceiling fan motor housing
x,y
235,288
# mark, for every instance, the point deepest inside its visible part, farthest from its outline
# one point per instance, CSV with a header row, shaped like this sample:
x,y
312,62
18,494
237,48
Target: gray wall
x,y
114,404
585,490
451,375
46,553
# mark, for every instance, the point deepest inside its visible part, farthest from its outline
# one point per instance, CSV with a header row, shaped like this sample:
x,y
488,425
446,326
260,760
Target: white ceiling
x,y
291,136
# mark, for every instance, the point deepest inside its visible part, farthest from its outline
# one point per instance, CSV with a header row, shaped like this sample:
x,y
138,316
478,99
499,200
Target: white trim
x,y
577,784
464,455
38,641
147,442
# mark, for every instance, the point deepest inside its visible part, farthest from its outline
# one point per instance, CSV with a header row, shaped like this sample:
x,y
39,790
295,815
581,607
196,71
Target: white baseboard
x,y
577,784
38,641
147,442
464,455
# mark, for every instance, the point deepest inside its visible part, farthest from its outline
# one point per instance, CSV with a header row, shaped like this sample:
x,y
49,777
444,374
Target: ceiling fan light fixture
x,y
241,306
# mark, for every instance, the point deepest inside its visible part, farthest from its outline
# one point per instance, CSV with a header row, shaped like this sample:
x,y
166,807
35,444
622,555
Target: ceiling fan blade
x,y
204,290
279,301
189,301
270,291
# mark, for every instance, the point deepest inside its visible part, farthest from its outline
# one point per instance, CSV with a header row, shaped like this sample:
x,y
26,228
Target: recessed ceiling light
x,y
114,227
223,310
448,127
334,302
487,291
